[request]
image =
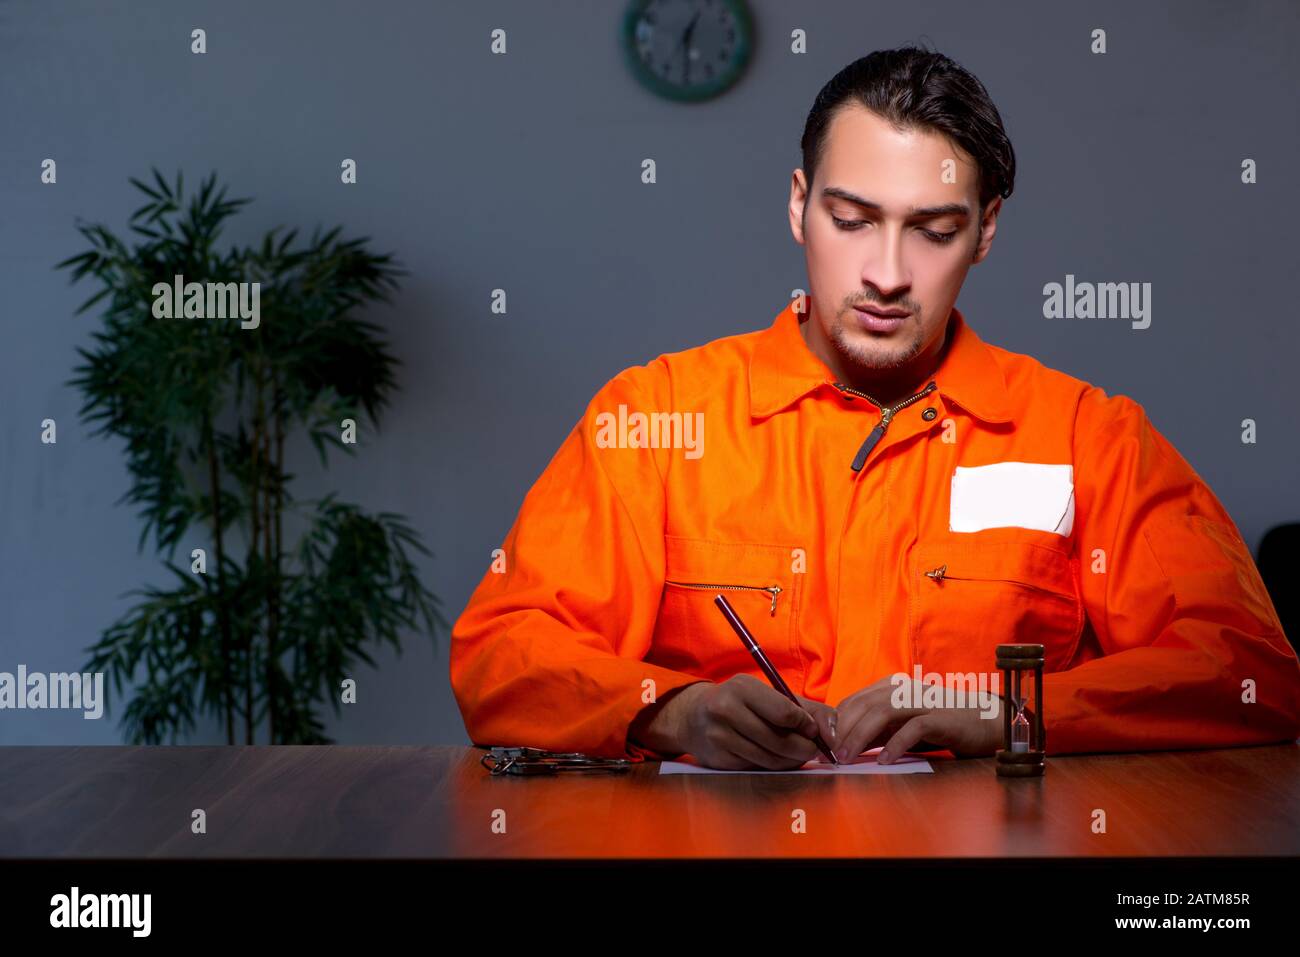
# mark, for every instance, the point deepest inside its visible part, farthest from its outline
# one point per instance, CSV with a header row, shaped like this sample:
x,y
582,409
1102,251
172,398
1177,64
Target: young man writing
x,y
877,490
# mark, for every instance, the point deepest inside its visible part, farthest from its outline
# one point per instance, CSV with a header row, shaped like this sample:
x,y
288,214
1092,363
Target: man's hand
x,y
868,719
740,724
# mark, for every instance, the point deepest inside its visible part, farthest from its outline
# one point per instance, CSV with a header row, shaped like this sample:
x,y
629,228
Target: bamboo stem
x,y
223,612
255,503
270,550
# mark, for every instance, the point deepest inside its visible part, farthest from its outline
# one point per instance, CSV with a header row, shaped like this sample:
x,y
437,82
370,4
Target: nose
x,y
884,267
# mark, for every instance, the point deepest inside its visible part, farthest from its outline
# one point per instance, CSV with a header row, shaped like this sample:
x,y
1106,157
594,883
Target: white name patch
x,y
1012,495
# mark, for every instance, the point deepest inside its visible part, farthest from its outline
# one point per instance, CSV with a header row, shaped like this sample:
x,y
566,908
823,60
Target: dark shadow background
x,y
522,172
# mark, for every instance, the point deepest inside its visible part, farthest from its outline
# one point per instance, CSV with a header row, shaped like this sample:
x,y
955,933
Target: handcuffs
x,y
539,761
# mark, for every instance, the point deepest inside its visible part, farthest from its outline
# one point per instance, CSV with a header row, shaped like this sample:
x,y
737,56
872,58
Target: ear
x,y
798,205
989,224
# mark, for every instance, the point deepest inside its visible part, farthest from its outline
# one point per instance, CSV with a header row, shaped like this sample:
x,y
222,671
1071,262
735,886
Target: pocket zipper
x,y
773,590
940,574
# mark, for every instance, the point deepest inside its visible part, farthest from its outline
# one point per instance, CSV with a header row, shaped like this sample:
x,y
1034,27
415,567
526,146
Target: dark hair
x,y
911,87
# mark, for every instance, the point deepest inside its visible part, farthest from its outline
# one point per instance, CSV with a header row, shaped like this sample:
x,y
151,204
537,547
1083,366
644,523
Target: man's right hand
x,y
745,723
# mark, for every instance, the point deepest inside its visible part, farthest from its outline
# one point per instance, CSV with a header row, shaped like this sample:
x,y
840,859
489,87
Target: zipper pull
x,y
876,434
937,573
775,590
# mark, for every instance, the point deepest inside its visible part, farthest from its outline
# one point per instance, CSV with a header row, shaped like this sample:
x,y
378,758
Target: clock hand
x,y
685,44
690,27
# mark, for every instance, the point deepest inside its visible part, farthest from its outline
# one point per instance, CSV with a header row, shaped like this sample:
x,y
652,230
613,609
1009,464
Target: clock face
x,y
687,49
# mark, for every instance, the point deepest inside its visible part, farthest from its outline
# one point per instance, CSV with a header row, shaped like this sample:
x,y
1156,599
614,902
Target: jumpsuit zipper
x,y
886,416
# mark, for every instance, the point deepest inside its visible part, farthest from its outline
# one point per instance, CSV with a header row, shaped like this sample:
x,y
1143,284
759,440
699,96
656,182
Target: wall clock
x,y
687,49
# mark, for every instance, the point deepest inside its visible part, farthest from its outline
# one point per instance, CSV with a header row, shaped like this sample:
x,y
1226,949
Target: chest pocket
x,y
966,598
758,581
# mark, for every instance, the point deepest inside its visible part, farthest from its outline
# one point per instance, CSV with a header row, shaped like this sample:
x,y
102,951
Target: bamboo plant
x,y
282,598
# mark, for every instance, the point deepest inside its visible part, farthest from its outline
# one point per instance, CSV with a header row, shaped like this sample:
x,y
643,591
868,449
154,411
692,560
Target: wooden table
x,y
438,802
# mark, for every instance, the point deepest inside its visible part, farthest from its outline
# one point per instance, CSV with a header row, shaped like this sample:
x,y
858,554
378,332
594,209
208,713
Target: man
x,y
880,491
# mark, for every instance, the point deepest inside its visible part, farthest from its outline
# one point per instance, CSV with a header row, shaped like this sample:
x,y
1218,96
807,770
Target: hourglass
x,y
1023,737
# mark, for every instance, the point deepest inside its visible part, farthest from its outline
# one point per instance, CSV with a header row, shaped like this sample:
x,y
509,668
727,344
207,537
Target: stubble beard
x,y
857,353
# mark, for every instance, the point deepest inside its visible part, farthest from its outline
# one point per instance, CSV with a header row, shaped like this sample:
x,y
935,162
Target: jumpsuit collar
x,y
782,369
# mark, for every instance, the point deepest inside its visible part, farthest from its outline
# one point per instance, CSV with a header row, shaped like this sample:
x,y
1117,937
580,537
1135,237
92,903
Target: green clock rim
x,y
704,91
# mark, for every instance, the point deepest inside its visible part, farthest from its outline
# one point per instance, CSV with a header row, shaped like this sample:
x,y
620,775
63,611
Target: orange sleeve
x,y
548,653
1178,607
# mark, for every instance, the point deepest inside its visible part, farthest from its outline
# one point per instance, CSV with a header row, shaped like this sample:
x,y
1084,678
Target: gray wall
x,y
522,171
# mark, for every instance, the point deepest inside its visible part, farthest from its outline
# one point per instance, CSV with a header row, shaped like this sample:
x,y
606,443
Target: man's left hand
x,y
868,719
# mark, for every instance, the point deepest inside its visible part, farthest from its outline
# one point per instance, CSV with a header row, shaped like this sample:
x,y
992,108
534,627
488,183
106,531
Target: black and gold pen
x,y
769,669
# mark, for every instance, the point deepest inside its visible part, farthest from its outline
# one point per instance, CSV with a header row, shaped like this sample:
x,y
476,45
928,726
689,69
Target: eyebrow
x,y
915,212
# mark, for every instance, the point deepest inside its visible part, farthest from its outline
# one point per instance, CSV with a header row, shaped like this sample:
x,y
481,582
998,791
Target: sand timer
x,y
1024,740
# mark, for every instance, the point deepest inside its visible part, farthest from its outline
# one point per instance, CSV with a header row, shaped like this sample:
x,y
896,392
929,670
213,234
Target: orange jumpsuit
x,y
1157,629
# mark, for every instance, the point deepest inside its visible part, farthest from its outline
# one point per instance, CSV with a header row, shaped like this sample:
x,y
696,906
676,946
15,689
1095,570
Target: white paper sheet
x,y
1012,495
906,764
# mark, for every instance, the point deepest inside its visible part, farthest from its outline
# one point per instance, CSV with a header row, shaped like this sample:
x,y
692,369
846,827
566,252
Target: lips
x,y
883,313
888,322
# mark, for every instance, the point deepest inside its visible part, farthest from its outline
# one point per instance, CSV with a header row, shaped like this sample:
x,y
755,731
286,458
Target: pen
x,y
769,669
